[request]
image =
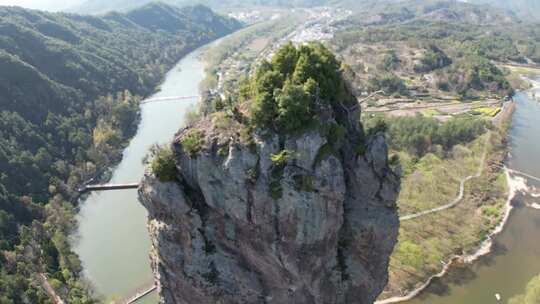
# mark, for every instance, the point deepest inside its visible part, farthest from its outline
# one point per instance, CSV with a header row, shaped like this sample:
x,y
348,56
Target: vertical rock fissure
x,y
277,232
343,233
264,289
198,203
348,157
249,212
253,176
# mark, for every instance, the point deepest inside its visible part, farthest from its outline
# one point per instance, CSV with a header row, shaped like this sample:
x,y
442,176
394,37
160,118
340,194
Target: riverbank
x,y
449,234
515,185
112,240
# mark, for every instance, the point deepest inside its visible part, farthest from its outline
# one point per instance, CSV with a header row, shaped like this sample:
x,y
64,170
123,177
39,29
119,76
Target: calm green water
x,y
516,257
112,240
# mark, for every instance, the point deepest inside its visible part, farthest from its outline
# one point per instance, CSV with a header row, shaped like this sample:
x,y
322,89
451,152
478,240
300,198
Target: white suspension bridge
x,y
169,98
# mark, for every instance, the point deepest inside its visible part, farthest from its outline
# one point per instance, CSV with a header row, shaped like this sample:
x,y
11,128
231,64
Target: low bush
x,y
193,141
282,157
163,164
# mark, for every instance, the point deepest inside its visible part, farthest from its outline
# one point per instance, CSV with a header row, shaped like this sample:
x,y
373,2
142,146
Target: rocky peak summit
x,y
276,195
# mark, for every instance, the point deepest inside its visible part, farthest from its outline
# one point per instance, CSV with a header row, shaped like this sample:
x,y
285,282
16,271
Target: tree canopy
x,y
290,91
419,135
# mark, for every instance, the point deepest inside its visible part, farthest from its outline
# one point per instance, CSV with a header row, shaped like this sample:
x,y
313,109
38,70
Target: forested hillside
x,y
393,11
69,91
527,9
103,6
436,48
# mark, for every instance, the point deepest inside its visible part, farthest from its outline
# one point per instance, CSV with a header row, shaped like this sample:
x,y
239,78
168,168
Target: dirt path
x,y
52,293
461,194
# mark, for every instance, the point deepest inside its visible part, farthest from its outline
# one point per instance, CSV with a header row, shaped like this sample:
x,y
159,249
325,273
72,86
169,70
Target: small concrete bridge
x,y
517,172
141,294
169,98
524,174
104,187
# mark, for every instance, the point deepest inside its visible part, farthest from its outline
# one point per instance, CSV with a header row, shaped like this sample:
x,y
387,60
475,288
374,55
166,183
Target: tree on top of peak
x,y
285,59
288,92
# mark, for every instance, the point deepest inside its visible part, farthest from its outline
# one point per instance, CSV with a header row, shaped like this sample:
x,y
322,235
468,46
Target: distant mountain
x,y
103,6
395,11
91,56
528,10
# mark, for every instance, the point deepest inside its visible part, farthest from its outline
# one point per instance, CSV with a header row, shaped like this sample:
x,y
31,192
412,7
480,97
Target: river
x,y
112,241
516,253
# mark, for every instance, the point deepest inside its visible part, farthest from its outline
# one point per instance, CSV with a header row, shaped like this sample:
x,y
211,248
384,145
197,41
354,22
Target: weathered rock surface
x,y
219,235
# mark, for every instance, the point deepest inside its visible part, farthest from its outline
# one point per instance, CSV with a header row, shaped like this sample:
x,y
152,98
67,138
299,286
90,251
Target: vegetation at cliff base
x,y
419,135
433,158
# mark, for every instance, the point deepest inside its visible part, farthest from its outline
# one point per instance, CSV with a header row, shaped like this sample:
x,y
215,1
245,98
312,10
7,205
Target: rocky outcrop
x,y
282,219
276,197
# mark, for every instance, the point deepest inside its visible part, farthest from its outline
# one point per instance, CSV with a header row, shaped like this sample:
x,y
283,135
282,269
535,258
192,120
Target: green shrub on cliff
x,y
282,157
276,175
293,107
163,164
193,141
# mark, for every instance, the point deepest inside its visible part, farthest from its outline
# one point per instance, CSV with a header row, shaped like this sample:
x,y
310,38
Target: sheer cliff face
x,y
308,217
